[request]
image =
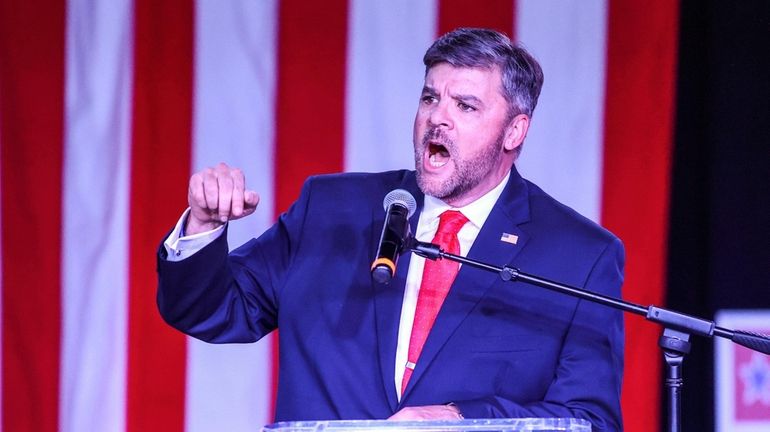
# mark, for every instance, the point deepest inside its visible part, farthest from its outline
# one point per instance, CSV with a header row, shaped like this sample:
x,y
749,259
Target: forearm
x,y
202,296
180,245
601,418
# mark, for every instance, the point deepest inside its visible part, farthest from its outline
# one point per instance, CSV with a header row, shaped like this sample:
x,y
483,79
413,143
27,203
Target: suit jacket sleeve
x,y
219,298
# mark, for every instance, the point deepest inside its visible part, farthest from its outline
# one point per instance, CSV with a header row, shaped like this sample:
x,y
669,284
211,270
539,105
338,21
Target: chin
x,y
433,186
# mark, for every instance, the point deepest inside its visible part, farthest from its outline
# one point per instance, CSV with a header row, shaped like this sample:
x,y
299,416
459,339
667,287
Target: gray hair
x,y
484,48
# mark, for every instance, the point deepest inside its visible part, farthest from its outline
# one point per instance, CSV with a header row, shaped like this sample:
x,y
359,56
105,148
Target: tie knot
x,y
450,222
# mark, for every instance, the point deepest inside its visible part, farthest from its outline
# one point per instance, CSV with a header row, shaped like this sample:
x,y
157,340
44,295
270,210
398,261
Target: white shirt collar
x,y
476,212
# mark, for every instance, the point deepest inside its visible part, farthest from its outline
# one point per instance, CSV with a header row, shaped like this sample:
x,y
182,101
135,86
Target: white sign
x,y
742,376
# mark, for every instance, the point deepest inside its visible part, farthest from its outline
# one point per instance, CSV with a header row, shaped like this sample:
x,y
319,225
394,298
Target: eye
x,y
428,99
464,107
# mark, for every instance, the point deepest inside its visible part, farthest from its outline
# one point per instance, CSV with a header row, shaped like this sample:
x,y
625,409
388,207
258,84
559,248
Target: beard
x,y
468,171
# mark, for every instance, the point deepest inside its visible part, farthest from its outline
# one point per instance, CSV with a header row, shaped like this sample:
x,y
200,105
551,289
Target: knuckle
x,y
210,187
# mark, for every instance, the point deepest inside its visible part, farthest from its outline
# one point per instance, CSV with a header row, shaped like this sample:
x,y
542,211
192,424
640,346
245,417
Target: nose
x,y
439,115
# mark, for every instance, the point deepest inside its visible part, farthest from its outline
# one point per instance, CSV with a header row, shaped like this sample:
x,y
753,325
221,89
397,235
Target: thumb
x,y
251,199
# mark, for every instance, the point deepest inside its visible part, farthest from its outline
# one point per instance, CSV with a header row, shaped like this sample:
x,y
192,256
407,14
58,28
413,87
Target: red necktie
x,y
437,277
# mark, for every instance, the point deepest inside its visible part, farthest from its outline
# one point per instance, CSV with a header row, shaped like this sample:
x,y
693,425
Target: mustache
x,y
437,136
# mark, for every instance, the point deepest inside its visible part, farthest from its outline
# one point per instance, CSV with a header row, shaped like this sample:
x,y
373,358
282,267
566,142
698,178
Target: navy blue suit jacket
x,y
496,350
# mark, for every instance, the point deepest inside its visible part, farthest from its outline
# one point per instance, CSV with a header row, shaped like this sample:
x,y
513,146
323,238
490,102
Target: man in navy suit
x,y
494,349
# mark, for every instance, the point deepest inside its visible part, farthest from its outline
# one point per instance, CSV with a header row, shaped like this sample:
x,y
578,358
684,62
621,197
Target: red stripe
x,y
162,117
31,135
310,108
310,101
637,161
494,14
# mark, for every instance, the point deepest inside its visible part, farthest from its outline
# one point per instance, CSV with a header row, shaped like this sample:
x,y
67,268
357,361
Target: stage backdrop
x,y
107,107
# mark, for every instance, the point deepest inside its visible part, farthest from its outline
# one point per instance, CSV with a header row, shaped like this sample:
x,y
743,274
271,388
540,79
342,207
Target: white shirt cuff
x,y
179,248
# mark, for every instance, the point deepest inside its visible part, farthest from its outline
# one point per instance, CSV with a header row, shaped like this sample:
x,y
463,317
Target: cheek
x,y
469,146
420,116
418,128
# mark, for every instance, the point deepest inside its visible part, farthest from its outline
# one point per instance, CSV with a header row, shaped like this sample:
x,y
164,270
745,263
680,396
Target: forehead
x,y
443,77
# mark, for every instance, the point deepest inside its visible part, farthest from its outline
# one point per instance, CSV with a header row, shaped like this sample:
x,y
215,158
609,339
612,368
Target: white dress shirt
x,y
477,213
180,247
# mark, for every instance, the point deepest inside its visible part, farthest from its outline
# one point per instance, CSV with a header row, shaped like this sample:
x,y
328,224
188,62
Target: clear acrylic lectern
x,y
474,425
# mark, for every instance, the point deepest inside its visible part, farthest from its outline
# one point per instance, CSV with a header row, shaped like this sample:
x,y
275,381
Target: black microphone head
x,y
402,198
382,274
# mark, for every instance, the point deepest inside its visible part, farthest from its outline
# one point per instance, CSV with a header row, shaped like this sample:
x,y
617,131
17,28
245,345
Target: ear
x,y
515,132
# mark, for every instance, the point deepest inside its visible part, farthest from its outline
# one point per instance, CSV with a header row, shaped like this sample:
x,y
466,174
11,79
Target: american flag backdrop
x,y
108,106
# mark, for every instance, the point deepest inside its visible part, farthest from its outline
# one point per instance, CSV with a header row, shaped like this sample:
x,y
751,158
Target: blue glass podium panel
x,y
474,425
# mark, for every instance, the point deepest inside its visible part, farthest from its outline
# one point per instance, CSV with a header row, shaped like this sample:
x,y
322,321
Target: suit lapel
x,y
388,298
510,211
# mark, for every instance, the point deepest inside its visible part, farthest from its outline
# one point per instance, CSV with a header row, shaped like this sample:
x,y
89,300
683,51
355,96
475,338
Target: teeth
x,y
437,163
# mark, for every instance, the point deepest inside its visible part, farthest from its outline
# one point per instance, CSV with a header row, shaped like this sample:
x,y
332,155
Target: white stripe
x,y
95,240
384,77
235,61
563,152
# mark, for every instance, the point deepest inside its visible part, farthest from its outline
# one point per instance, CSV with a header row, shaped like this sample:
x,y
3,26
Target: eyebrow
x,y
471,99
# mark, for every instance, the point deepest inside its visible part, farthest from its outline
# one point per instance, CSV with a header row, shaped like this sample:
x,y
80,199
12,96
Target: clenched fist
x,y
217,195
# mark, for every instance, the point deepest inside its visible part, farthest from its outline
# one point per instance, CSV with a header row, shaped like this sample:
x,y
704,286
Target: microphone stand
x,y
675,340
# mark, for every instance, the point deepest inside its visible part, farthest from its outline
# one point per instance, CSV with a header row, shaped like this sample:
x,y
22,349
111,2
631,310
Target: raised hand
x,y
217,195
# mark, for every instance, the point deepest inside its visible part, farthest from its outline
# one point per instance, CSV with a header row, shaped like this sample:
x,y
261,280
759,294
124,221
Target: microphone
x,y
399,207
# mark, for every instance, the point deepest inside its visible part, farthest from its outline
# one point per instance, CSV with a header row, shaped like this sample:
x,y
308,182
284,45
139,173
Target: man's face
x,y
462,142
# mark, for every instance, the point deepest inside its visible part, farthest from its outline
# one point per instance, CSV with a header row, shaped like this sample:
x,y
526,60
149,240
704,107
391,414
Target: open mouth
x,y
438,155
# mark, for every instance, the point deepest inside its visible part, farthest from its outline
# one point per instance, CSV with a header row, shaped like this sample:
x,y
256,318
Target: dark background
x,y
719,253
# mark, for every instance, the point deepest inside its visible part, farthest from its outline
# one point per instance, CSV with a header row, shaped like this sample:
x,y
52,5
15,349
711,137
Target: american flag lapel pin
x,y
509,238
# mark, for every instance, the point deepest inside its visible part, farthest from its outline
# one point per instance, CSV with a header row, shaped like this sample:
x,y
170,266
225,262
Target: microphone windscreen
x,y
401,197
